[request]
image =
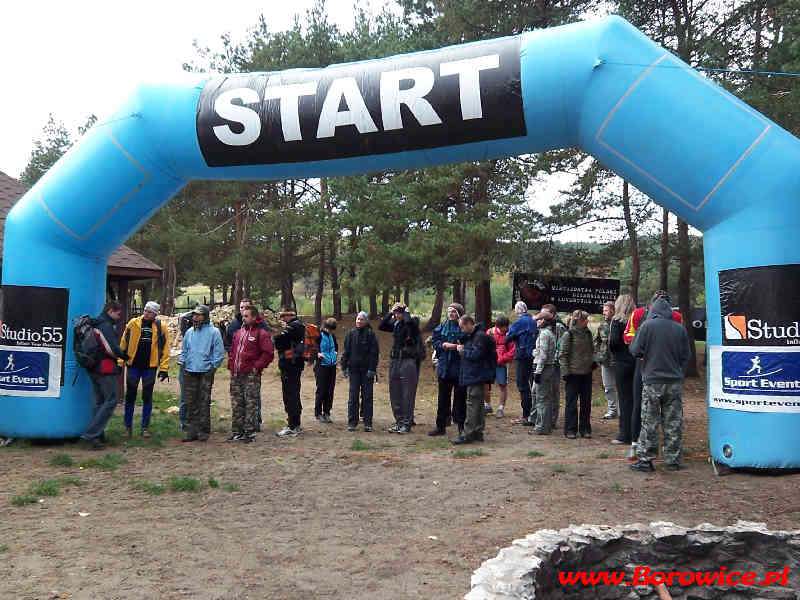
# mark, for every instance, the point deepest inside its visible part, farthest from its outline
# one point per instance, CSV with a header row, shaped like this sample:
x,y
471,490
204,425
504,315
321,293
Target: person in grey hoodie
x,y
664,346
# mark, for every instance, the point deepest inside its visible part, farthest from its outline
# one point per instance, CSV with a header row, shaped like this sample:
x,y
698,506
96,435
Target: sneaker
x,y
586,435
352,428
234,437
367,428
321,418
437,431
499,413
288,432
394,429
460,440
248,438
645,466
327,419
570,436
403,429
609,415
674,467
616,441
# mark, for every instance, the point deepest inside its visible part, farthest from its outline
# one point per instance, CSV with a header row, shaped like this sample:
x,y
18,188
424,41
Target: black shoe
x,y
367,428
189,438
437,431
97,444
674,467
645,466
460,440
586,435
351,428
570,436
203,437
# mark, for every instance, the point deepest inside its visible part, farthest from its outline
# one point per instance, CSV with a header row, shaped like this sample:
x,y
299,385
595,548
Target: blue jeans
x,y
106,389
148,379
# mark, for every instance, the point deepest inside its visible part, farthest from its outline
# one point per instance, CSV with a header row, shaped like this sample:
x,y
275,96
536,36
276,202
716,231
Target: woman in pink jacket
x,y
505,354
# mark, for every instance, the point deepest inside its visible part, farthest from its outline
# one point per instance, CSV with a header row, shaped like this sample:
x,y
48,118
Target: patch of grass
x,y
559,469
433,443
534,454
4,548
62,460
276,423
616,487
358,445
599,401
109,462
163,426
213,483
468,453
602,455
184,484
45,487
230,487
386,445
24,499
70,480
153,489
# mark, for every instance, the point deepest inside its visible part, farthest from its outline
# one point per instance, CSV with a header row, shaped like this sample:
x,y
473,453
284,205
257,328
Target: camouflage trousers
x,y
546,400
197,388
245,392
661,405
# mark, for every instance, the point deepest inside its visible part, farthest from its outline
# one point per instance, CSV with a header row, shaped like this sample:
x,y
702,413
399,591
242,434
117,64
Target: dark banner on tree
x,y
567,293
33,344
439,98
760,306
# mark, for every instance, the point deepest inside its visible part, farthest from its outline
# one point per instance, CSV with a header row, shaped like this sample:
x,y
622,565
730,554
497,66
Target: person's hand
x,y
163,375
320,355
537,377
460,347
370,375
125,356
346,373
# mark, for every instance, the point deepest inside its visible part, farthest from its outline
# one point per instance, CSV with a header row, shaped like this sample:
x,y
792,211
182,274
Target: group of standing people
x,y
642,353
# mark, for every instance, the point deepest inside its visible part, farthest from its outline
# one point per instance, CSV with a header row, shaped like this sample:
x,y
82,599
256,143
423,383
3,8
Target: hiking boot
x,y
645,466
367,428
674,467
499,413
437,431
235,436
288,432
146,434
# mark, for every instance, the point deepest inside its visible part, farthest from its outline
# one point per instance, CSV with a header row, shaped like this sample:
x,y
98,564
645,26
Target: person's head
x,y
361,319
502,323
661,294
623,307
467,324
580,318
113,309
287,314
249,315
543,317
200,316
398,309
244,303
330,324
608,310
151,310
551,308
520,308
454,311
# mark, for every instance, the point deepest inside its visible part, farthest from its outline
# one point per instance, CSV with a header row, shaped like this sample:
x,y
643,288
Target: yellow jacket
x,y
130,339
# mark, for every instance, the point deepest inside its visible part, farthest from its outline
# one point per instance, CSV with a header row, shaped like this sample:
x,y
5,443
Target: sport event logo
x,y
24,371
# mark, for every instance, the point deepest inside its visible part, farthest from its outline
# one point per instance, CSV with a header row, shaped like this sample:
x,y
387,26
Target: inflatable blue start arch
x,y
601,86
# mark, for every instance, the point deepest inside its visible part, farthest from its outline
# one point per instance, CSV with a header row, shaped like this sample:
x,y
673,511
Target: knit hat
x,y
520,308
363,314
153,307
459,308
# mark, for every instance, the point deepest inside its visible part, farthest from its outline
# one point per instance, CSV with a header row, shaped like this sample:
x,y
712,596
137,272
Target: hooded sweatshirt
x,y
664,345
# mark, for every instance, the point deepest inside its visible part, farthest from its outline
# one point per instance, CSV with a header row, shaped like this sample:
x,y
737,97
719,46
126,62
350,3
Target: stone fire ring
x,y
529,567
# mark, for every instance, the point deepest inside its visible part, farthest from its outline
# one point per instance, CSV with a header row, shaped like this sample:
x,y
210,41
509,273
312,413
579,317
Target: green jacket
x,y
576,352
602,354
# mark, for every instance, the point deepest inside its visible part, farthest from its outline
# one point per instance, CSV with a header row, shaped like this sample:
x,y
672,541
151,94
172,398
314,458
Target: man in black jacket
x,y
403,366
289,346
664,345
359,364
478,366
105,373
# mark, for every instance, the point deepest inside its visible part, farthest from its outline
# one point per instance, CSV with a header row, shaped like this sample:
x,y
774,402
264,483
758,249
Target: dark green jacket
x,y
576,353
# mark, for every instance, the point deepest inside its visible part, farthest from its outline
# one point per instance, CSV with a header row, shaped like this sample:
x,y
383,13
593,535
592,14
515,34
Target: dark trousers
x,y
636,406
290,387
360,384
402,386
132,378
578,390
476,415
326,382
524,376
447,388
105,389
624,374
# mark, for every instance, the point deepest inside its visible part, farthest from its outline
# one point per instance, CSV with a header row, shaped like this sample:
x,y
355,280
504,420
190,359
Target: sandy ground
x,y
312,517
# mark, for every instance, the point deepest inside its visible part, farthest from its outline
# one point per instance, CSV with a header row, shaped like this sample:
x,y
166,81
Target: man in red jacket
x,y
251,351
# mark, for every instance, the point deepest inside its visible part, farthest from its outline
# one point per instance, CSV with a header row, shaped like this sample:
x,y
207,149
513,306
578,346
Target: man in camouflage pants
x,y
201,354
664,346
544,360
250,352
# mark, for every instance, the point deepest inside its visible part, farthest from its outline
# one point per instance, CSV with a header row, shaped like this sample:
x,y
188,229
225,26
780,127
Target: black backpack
x,y
84,343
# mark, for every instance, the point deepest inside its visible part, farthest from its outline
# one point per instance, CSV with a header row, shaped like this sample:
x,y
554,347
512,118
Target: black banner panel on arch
x,y
445,97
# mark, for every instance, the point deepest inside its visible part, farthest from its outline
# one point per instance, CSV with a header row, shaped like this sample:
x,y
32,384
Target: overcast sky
x,y
76,58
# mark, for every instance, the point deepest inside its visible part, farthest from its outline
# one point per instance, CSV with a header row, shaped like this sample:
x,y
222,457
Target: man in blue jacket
x,y
201,354
478,366
523,333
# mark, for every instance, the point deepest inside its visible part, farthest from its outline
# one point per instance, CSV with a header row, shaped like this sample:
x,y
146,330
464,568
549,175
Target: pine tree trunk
x,y
407,297
320,287
483,302
634,240
460,293
663,271
685,291
373,305
385,302
438,305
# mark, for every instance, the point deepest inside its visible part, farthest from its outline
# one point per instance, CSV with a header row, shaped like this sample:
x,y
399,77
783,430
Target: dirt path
x,y
313,518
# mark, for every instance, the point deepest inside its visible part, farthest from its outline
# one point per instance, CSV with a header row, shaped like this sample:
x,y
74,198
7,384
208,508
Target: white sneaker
x,y
499,413
288,432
